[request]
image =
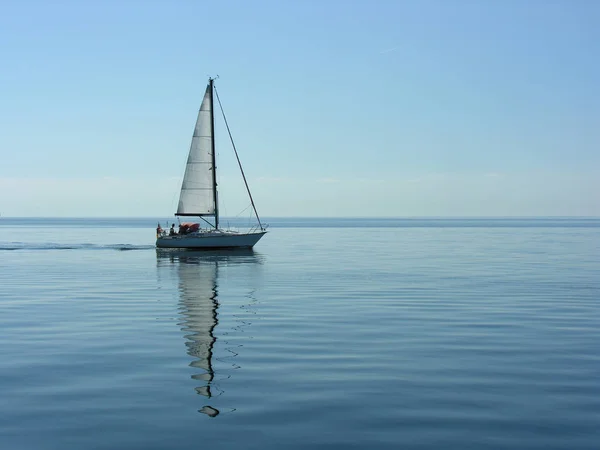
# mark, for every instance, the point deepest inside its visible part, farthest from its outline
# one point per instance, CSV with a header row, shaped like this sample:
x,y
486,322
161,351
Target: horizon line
x,y
319,217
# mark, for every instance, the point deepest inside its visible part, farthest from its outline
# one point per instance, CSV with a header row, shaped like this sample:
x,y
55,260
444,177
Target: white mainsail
x,y
197,195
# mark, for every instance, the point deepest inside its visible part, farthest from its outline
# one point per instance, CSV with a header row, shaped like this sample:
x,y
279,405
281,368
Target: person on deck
x,y
172,230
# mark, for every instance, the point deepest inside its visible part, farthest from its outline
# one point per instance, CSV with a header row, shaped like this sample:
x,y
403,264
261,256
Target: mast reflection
x,y
197,273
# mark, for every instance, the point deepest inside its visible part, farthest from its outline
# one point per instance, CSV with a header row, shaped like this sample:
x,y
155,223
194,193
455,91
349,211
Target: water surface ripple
x,y
420,337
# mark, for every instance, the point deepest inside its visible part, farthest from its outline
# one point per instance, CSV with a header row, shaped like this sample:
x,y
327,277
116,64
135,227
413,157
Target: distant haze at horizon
x,y
489,195
362,109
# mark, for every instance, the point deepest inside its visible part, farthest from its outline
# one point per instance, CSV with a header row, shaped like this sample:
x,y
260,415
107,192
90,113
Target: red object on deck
x,y
189,227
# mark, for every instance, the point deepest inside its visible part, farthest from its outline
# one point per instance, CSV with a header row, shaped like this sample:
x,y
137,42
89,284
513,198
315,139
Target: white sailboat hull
x,y
210,240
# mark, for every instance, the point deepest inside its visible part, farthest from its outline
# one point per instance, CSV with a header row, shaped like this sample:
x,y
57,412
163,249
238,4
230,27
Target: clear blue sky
x,y
338,108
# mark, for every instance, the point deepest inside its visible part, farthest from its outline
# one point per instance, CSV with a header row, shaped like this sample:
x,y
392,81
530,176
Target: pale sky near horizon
x,y
338,108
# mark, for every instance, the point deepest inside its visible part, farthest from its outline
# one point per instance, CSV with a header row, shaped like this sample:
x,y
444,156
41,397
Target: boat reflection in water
x,y
198,278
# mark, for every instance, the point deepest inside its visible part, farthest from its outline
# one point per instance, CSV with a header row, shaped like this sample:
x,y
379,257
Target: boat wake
x,y
84,246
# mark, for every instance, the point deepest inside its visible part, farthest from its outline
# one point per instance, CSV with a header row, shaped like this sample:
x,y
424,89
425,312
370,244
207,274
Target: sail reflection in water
x,y
199,303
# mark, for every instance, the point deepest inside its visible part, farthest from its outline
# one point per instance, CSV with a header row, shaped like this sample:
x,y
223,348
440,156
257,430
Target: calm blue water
x,y
356,333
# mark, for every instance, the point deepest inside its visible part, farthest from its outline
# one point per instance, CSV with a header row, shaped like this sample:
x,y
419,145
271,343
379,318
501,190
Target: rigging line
x,y
211,225
238,158
242,211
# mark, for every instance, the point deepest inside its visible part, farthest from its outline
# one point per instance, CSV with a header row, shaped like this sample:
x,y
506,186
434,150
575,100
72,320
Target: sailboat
x,y
198,196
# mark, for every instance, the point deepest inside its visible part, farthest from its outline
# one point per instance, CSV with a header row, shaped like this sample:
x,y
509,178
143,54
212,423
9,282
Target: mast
x,y
214,164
